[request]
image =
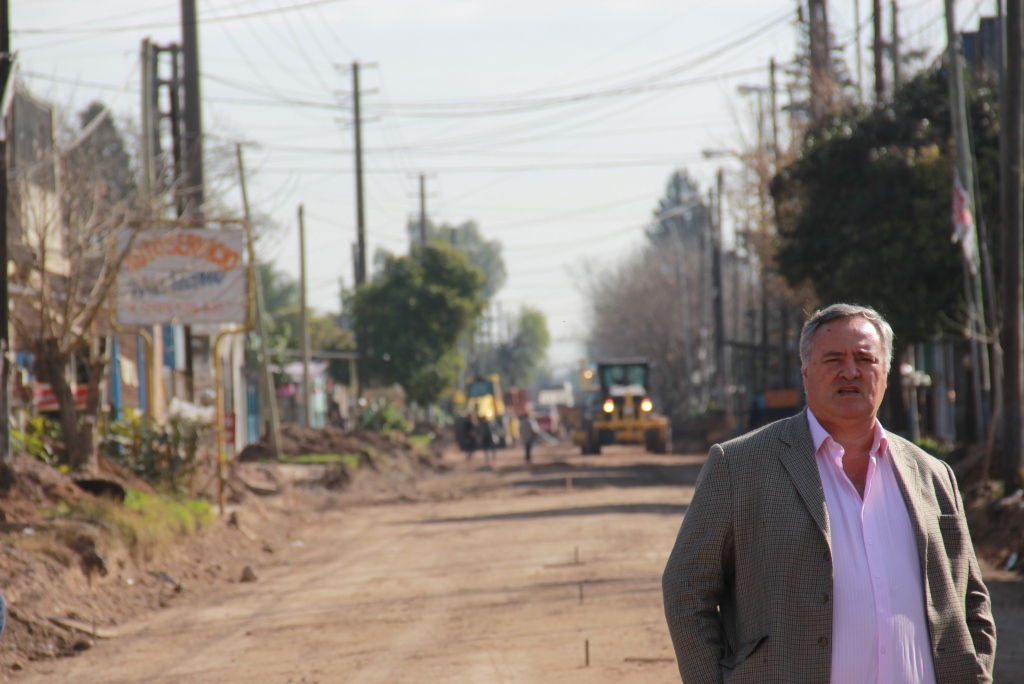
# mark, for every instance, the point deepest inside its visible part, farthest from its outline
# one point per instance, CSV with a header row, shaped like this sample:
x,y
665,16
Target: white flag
x,y
963,223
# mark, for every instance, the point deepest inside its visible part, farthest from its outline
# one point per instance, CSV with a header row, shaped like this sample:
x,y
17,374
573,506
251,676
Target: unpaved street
x,y
482,588
507,581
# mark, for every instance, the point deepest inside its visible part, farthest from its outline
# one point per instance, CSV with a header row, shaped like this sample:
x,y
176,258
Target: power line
x,y
170,24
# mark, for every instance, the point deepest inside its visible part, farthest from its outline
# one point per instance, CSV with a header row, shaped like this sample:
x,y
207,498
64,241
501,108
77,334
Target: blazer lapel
x,y
798,460
908,477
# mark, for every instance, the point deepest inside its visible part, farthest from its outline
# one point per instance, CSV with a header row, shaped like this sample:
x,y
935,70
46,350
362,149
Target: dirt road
x,y
519,576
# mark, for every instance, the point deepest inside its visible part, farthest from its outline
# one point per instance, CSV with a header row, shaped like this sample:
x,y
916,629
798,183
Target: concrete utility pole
x,y
5,339
1013,227
423,212
894,48
307,391
269,417
879,50
965,170
822,85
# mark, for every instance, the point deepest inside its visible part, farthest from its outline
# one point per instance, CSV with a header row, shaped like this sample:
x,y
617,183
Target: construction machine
x,y
617,408
484,400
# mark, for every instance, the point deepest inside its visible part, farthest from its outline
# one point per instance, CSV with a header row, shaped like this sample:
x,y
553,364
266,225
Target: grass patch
x,y
419,440
350,461
146,523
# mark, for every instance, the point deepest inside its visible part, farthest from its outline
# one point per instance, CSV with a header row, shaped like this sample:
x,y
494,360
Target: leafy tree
x,y
282,325
519,359
466,238
864,213
413,312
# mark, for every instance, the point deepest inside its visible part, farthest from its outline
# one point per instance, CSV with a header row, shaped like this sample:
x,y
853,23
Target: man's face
x,y
845,375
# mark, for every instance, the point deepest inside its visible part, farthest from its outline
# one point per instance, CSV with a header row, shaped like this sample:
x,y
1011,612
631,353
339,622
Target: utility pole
x,y
1013,266
879,49
821,60
423,212
5,338
721,369
269,419
775,114
860,60
193,142
193,149
360,215
307,391
965,171
894,48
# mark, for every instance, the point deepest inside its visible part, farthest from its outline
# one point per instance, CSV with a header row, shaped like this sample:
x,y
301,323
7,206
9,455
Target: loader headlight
x,y
608,406
646,405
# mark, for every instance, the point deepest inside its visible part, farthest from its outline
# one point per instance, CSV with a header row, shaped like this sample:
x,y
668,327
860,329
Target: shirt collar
x,y
819,435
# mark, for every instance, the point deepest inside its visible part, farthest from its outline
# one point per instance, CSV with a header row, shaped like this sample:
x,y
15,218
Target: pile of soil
x,y
996,521
298,440
68,583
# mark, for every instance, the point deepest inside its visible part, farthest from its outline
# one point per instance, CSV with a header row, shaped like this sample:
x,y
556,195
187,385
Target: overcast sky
x,y
554,124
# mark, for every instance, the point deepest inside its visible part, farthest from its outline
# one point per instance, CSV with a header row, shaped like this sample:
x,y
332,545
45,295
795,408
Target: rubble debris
x,y
248,574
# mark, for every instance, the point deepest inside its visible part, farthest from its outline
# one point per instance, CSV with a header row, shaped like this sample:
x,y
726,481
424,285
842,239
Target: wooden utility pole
x,y
894,48
860,60
1013,271
193,149
268,400
5,339
775,114
721,368
307,391
423,212
360,215
822,85
879,50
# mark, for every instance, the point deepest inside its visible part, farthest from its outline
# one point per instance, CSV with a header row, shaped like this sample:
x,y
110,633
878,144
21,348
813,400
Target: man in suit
x,y
822,548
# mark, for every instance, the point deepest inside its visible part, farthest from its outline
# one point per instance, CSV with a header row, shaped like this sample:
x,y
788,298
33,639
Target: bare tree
x,y
73,196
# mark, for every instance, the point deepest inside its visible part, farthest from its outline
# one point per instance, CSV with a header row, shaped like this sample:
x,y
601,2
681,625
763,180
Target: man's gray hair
x,y
844,311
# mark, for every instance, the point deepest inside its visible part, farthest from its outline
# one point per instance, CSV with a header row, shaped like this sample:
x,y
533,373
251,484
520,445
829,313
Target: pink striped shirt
x,y
879,624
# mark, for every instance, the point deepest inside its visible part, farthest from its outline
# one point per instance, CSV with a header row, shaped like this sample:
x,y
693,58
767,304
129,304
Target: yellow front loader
x,y
618,408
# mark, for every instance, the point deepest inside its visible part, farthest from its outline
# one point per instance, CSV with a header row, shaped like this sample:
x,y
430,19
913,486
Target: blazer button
x,y
823,641
824,598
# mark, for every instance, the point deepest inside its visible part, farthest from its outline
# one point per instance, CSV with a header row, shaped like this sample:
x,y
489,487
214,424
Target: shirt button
x,y
883,649
824,598
877,575
871,542
823,641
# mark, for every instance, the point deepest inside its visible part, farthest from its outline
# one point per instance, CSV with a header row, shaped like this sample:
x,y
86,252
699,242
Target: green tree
x,y
467,238
413,312
519,359
864,213
282,324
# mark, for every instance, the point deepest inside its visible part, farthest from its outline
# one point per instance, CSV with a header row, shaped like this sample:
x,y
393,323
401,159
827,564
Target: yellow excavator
x,y
617,408
484,400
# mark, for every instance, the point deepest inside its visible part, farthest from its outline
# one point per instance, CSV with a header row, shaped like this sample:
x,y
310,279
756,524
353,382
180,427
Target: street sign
x,y
190,276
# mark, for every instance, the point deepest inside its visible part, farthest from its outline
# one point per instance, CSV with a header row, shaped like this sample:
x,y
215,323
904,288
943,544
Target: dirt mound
x,y
28,486
298,440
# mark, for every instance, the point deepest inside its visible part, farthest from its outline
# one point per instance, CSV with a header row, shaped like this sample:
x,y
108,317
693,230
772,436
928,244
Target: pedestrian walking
x,y
489,440
823,548
466,434
528,430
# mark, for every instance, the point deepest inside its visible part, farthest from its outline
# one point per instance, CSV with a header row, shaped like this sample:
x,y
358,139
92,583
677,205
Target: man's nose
x,y
849,369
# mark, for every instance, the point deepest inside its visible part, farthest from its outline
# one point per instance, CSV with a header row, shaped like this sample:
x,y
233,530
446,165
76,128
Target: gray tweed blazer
x,y
748,586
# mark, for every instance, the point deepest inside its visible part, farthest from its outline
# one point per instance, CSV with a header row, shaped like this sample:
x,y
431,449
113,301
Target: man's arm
x,y
977,604
695,577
